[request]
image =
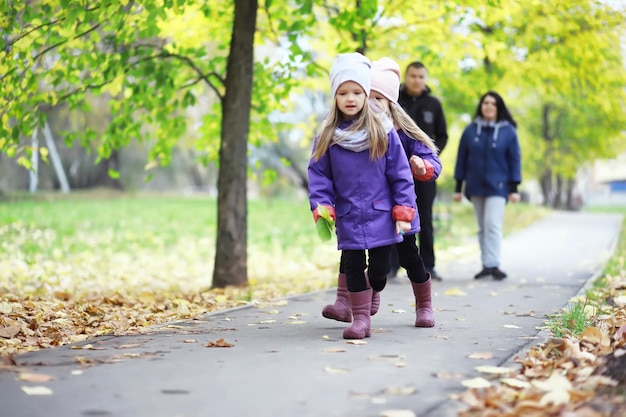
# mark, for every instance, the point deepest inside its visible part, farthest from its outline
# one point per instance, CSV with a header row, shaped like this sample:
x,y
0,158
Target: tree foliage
x,y
558,65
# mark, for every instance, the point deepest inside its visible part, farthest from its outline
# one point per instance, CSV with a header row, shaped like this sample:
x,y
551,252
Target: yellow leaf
x,y
515,383
332,370
476,383
5,308
333,350
494,370
37,390
455,292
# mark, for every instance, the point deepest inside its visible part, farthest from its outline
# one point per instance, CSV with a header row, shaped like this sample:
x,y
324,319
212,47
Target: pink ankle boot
x,y
375,297
339,311
423,304
360,302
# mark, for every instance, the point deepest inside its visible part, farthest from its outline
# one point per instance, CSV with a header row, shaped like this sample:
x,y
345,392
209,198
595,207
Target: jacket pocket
x,y
341,209
382,205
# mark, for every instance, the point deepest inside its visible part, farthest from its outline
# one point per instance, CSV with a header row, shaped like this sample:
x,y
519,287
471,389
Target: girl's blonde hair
x,y
402,120
366,120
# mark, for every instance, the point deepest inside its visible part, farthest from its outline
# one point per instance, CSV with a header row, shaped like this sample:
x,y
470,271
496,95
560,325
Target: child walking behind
x,y
426,166
359,171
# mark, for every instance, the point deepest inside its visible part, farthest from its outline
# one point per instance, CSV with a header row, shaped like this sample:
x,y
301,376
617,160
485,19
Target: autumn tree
x,y
147,56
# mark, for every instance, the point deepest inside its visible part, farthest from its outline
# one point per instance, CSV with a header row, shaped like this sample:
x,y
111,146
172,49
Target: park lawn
x,y
73,266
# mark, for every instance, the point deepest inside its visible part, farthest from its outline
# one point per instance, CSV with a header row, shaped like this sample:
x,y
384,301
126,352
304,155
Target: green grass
x,y
573,320
169,240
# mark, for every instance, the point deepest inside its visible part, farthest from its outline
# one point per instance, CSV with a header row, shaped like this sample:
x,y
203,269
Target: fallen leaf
x,y
295,322
189,341
130,345
10,332
267,321
38,390
449,375
332,370
272,312
356,342
556,397
515,383
399,391
25,376
333,350
476,383
5,308
511,326
494,370
387,357
592,335
437,336
399,310
219,343
455,292
556,382
480,355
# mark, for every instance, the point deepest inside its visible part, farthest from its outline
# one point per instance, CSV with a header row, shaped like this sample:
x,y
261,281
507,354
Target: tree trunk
x,y
111,163
231,263
558,195
546,187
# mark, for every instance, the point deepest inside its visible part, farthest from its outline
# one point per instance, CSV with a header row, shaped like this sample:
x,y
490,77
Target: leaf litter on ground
x,y
580,375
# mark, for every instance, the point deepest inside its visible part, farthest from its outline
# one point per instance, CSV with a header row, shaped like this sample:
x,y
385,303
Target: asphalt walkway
x,y
287,360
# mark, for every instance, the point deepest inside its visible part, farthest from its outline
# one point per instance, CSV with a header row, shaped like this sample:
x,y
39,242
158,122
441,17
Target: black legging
x,y
410,259
353,264
426,193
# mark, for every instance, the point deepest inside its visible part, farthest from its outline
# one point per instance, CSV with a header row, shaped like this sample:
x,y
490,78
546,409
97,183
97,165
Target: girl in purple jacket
x,y
359,171
426,166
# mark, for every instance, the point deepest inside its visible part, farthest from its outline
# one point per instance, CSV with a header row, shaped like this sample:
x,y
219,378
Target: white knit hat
x,y
386,78
350,67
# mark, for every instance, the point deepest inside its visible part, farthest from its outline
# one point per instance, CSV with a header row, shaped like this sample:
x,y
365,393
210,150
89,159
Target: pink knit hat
x,y
386,78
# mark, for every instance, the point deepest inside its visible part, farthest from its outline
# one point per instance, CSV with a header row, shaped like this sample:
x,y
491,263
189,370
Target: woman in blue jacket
x,y
489,162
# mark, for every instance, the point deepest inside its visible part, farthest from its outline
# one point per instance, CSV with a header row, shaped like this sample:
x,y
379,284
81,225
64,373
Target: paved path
x,y
289,361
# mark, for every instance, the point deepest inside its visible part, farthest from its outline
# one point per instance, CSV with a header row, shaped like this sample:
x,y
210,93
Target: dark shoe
x,y
498,274
434,275
483,274
494,272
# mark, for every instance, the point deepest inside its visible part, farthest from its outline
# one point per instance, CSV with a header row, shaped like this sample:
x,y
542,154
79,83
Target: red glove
x,y
402,213
331,210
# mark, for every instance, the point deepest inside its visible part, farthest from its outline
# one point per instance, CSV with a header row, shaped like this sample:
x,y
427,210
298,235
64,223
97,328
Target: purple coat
x,y
363,193
415,147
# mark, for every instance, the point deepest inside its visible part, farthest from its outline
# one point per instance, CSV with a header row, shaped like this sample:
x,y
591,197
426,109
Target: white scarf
x,y
358,140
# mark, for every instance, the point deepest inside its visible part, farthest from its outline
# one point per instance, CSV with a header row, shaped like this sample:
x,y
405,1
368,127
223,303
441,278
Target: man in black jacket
x,y
428,114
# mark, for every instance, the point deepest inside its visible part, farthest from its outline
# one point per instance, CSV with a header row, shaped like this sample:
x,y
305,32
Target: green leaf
x,y
323,229
325,224
114,174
